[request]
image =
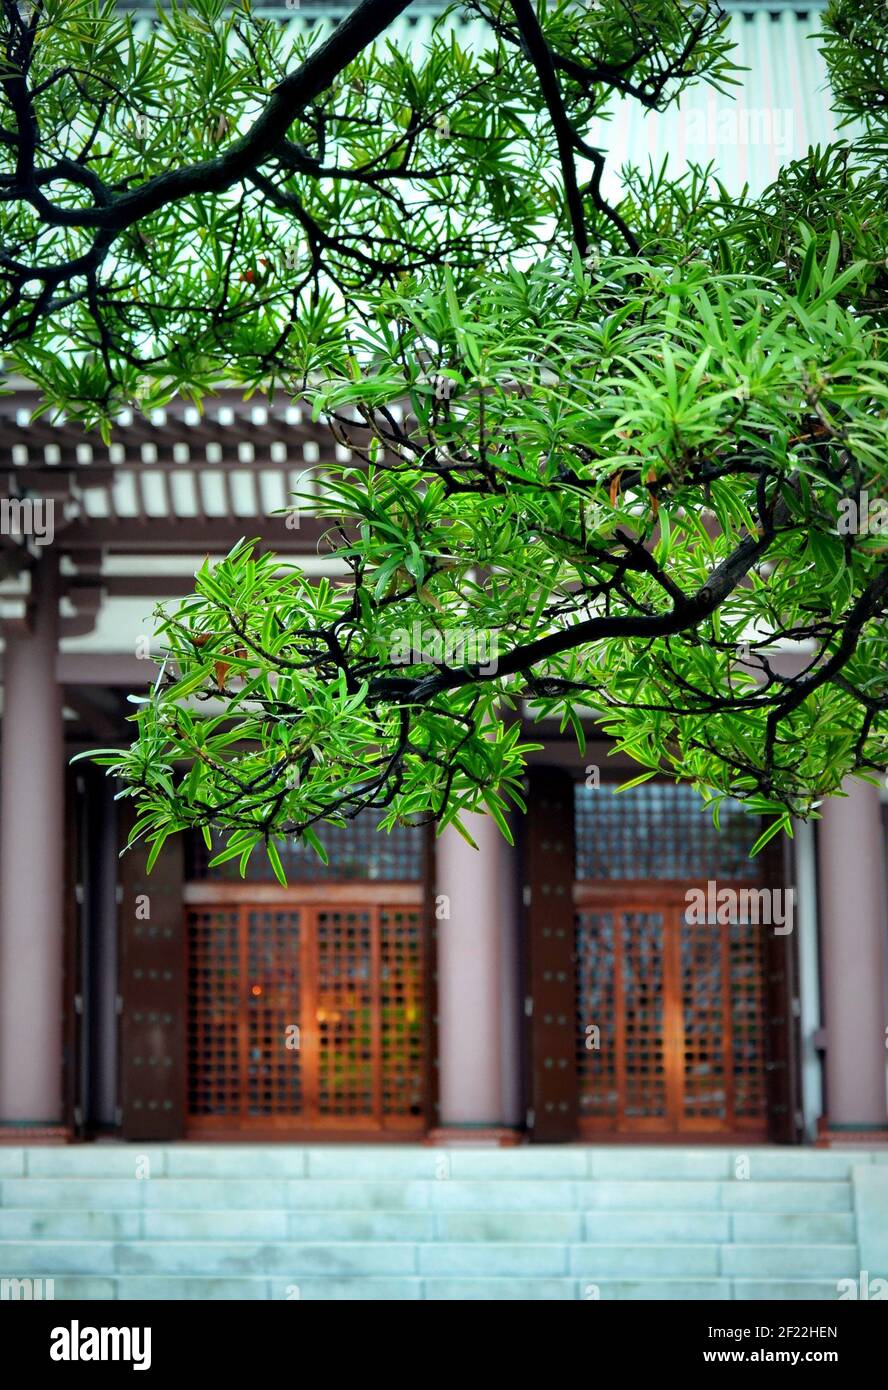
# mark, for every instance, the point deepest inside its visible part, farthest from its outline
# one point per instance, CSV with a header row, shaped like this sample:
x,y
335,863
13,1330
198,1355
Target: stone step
x,y
330,1288
786,1261
662,1227
305,1194
789,1228
291,1260
50,1223
411,1223
390,1161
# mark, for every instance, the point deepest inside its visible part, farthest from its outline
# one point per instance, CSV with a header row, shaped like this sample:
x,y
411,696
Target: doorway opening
x,y
307,1006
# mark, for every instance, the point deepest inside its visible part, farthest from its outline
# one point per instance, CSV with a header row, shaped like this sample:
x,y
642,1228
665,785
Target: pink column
x,y
511,999
474,887
853,930
31,864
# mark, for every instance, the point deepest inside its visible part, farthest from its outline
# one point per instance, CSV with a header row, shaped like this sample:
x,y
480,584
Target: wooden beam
x,y
193,535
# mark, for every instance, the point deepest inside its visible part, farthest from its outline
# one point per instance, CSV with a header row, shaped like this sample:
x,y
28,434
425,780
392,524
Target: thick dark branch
x,y
651,89
593,191
684,615
541,57
292,95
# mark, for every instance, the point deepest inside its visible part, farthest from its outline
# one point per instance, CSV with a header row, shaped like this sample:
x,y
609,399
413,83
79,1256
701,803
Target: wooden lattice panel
x,y
706,1043
681,1009
686,1002
748,1021
642,1014
402,988
307,1017
215,983
274,1013
660,831
347,1021
597,1015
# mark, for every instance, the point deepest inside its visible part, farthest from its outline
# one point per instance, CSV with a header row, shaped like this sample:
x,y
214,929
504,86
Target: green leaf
x,y
496,811
157,845
311,838
274,860
636,781
461,829
781,823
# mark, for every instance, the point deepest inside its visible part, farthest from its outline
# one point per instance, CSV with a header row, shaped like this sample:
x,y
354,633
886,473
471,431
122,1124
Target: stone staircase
x,y
191,1221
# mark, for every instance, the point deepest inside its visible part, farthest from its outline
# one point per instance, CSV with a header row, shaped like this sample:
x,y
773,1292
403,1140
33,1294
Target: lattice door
x,y
306,1017
670,1020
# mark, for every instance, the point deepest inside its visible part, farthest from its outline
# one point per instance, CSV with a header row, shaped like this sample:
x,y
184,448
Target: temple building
x,y
414,995
558,990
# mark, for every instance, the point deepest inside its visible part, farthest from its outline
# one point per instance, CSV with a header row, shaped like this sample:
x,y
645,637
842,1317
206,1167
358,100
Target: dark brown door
x,y
549,958
671,1017
151,992
782,1072
307,1017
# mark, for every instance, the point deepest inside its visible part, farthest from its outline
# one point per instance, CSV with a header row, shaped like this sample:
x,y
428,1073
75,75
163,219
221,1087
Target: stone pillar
x,y
511,997
477,890
32,789
853,951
